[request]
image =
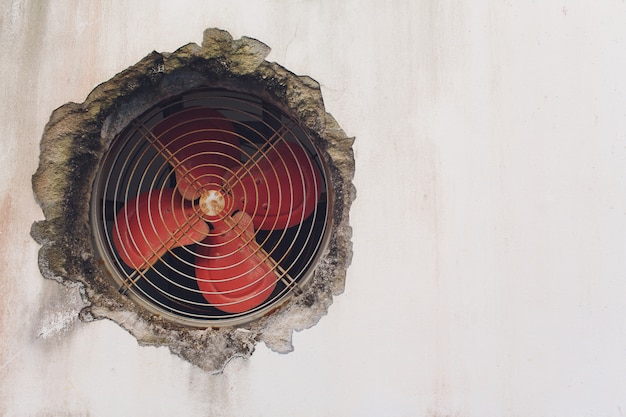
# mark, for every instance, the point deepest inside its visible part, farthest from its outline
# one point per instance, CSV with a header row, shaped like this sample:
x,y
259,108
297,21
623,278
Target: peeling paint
x,y
54,324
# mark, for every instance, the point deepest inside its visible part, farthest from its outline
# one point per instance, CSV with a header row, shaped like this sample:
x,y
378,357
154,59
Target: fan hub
x,y
212,202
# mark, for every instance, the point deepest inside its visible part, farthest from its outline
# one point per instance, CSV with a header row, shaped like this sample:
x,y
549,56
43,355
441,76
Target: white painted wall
x,y
489,273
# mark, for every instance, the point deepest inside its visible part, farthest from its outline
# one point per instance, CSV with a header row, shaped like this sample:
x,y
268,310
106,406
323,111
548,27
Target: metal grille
x,y
211,208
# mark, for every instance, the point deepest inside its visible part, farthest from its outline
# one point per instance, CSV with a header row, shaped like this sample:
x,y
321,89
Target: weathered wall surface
x,y
489,228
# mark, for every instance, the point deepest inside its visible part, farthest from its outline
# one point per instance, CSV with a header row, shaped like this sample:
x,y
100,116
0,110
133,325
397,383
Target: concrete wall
x,y
489,271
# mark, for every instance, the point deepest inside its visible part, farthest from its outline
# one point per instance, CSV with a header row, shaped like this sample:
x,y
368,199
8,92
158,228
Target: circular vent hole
x,y
211,208
200,198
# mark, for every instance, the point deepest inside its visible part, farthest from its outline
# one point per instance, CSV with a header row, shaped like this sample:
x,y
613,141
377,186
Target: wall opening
x,y
201,199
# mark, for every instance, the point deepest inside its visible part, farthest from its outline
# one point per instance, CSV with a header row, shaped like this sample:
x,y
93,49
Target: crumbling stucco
x,y
78,135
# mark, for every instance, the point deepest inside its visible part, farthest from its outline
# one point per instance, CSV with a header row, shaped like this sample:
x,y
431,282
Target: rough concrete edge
x,y
72,147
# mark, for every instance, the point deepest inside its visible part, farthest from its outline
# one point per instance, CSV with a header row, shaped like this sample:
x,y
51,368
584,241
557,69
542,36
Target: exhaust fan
x,y
211,207
200,199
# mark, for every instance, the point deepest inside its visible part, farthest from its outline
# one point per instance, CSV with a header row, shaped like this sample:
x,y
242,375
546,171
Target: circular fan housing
x,y
211,208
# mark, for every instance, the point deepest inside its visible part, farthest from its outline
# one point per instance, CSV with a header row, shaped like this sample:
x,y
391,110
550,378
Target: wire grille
x,y
211,208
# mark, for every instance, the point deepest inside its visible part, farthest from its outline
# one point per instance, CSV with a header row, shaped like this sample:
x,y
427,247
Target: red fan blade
x,y
280,189
232,271
202,144
152,224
